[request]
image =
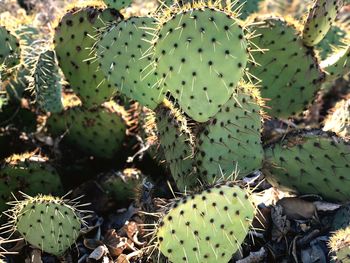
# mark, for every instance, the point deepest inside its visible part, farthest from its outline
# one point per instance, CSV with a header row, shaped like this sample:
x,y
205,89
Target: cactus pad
x,y
206,227
99,132
338,120
310,162
337,65
339,244
117,4
47,222
216,41
47,85
29,174
177,143
10,49
121,52
320,19
289,72
122,186
231,140
74,39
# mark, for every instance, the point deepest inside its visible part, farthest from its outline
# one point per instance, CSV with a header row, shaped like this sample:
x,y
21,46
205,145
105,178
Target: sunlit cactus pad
x,y
200,56
206,227
289,72
47,222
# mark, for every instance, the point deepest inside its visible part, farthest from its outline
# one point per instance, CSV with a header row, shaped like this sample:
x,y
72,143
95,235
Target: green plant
x,y
46,83
340,245
310,162
9,51
50,223
29,173
75,36
206,227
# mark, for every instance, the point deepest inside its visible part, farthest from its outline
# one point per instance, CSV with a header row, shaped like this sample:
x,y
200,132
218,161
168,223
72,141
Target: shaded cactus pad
x,y
310,162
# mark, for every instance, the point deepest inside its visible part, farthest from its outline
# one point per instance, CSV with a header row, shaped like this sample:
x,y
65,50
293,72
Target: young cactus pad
x,y
200,55
49,223
207,227
289,72
74,39
47,83
27,173
338,120
117,4
310,162
120,51
320,19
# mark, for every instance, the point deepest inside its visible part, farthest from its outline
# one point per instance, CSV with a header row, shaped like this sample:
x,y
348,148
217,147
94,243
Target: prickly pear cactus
x,y
99,132
338,120
74,38
28,173
337,65
177,143
248,7
213,38
18,82
310,162
320,19
46,84
46,222
9,51
230,143
339,244
122,186
206,227
120,51
336,38
289,73
117,4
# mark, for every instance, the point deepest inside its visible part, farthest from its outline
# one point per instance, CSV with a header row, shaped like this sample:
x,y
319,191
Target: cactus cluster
x,y
195,85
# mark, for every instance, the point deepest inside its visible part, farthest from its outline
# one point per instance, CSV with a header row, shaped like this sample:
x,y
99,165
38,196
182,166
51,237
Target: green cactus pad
x,y
48,223
9,51
336,38
289,72
200,55
320,19
74,39
29,174
120,51
310,162
117,4
248,7
337,65
99,132
18,81
47,85
122,186
339,244
206,227
338,120
177,143
230,143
